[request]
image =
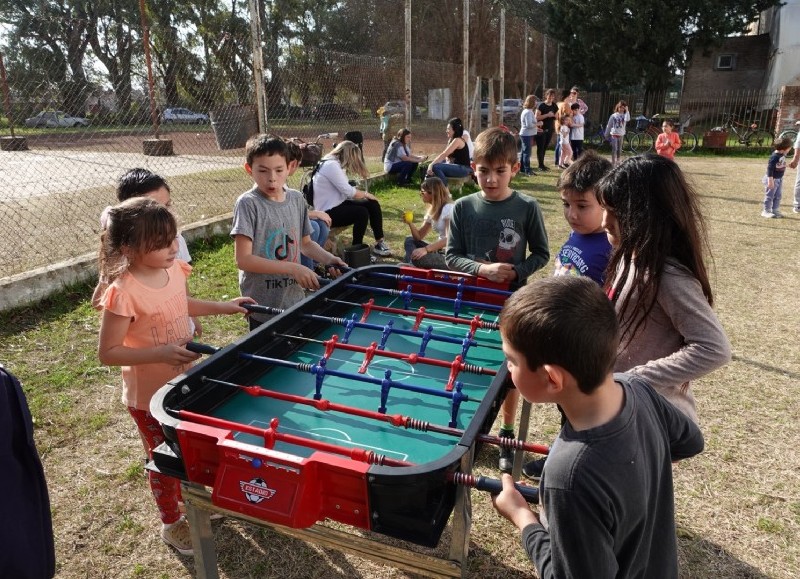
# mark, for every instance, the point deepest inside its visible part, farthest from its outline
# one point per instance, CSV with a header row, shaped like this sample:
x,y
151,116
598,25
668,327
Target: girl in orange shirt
x,y
145,328
669,141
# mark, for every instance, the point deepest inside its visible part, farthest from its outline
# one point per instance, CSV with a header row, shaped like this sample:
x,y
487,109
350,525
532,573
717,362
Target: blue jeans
x,y
445,170
404,170
527,149
772,197
319,233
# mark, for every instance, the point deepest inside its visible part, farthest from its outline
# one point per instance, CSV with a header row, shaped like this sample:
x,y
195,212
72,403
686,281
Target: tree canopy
x,y
620,43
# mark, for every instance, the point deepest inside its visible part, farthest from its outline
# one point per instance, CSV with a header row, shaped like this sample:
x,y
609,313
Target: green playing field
x,y
357,432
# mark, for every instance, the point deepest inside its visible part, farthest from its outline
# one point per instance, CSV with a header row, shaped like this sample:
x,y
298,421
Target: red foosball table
x,y
362,404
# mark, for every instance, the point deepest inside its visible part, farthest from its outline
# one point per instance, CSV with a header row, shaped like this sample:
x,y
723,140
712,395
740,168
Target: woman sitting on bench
x,y
399,159
454,161
345,204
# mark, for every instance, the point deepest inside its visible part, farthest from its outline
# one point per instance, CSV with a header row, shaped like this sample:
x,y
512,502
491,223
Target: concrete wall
x,y
33,286
789,109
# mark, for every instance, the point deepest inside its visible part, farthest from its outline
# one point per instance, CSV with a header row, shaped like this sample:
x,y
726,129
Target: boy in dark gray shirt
x,y
607,503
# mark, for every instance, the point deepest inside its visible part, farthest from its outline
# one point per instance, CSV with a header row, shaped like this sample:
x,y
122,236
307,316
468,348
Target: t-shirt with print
x,y
158,316
584,255
276,229
484,231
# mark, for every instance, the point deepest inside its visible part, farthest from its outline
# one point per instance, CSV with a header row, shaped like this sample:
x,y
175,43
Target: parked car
x,y
511,108
55,119
395,107
330,111
484,110
180,115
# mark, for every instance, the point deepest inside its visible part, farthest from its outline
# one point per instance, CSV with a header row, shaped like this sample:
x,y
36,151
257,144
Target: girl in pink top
x,y
145,327
668,142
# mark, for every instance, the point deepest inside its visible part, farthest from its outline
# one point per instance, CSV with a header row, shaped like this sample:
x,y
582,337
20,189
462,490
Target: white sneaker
x,y
767,214
381,249
178,537
796,210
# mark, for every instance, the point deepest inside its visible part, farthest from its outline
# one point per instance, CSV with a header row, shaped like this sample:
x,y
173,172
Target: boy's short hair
x,y
575,106
295,153
583,174
137,182
259,145
494,145
783,143
567,321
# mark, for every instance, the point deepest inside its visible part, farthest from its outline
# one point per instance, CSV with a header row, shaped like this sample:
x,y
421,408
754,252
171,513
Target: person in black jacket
x,y
27,550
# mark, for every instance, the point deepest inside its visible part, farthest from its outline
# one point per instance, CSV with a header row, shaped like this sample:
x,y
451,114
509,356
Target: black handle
x,y
201,348
494,486
261,309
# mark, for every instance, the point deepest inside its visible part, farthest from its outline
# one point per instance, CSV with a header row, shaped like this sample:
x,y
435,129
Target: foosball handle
x,y
201,348
495,486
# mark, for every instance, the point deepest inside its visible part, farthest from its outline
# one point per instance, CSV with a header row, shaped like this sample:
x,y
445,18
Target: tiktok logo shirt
x,y
276,229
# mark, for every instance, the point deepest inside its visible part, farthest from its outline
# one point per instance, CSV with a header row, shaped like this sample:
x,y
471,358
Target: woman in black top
x,y
546,113
454,160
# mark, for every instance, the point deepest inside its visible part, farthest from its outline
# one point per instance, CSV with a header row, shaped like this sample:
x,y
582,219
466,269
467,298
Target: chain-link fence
x,y
79,97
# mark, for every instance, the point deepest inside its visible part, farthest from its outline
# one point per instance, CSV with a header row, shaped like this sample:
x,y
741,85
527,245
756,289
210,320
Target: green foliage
x,y
625,42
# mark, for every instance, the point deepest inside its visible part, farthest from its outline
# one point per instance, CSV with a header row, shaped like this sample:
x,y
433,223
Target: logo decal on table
x,y
256,490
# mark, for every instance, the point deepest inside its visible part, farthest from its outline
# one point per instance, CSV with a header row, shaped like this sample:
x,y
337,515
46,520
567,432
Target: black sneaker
x,y
533,470
544,168
381,249
506,462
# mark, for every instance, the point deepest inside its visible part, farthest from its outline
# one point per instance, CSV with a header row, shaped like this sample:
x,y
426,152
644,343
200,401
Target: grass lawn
x,y
737,504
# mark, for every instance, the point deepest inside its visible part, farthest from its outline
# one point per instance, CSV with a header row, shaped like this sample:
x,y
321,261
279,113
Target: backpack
x,y
308,186
312,152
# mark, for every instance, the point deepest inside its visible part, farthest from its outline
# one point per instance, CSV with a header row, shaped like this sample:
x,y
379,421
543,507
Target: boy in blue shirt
x,y
587,249
773,180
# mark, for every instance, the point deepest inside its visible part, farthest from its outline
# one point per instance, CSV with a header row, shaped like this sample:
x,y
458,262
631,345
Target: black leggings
x,y
542,141
357,214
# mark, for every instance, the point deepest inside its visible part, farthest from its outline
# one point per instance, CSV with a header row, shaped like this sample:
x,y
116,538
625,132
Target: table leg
x,y
524,423
199,518
462,514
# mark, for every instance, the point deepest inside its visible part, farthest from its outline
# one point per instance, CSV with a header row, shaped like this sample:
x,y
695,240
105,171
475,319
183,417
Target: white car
x,y
180,115
511,107
52,119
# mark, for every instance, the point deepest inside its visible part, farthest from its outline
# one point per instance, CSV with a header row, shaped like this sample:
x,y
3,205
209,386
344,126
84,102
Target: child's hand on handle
x,y
175,354
511,504
336,267
235,305
304,276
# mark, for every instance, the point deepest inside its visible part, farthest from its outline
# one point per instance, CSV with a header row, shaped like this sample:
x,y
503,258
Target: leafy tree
x,y
621,43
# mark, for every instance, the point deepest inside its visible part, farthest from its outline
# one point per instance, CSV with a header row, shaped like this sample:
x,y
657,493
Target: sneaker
x,y
544,168
533,470
796,210
506,462
178,537
767,214
777,214
381,249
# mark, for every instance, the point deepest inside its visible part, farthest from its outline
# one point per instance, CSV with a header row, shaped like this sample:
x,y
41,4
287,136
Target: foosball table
x,y
363,404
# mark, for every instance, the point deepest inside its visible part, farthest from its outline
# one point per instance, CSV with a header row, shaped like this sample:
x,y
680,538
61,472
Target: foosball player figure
x,y
606,494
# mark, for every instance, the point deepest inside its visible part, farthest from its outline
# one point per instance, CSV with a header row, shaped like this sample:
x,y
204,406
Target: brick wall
x,y
751,54
788,109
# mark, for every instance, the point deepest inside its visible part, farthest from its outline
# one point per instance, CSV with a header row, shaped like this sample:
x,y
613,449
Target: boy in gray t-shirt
x,y
271,230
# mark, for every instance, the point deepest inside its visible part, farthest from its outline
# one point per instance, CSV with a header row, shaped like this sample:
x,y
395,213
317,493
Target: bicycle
x,y
747,135
644,141
600,142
